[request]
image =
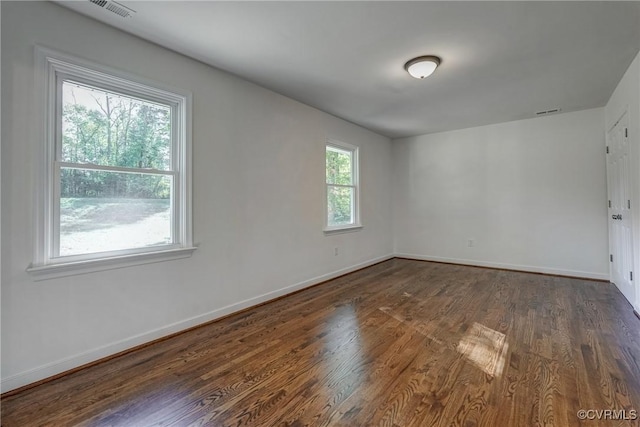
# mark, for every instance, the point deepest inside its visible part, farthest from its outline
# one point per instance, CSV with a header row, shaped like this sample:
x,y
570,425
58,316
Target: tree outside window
x,y
115,172
342,185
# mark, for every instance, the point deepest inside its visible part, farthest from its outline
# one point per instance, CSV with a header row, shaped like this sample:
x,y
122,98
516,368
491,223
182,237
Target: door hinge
x,y
609,203
611,258
607,149
631,275
629,204
626,132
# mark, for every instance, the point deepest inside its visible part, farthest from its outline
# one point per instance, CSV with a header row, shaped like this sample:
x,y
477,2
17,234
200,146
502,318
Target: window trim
x,y
52,67
355,179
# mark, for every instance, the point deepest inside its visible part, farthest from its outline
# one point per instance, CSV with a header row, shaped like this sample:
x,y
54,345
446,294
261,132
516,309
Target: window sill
x,y
340,230
53,271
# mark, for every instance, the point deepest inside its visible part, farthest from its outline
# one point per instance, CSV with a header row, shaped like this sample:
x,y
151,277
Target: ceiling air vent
x,y
114,7
551,111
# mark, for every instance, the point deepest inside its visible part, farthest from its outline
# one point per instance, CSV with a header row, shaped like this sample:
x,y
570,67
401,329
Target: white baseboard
x,y
50,369
517,267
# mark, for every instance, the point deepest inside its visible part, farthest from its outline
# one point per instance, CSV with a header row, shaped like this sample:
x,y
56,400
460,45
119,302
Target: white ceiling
x,y
501,61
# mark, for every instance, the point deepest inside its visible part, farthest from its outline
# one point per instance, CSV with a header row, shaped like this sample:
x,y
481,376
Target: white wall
x,y
530,193
626,97
258,204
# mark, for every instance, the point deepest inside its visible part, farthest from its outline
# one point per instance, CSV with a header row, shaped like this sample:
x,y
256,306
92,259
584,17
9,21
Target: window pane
x,y
103,128
338,166
106,211
340,205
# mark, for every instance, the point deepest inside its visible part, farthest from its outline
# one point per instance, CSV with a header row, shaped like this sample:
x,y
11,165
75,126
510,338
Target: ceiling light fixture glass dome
x,y
422,66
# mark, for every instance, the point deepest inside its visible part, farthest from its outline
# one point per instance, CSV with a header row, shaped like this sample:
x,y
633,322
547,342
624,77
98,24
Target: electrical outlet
x,y
335,251
471,243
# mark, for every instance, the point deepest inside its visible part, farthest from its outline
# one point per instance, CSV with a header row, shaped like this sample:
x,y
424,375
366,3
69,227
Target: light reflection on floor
x,y
418,325
484,348
345,347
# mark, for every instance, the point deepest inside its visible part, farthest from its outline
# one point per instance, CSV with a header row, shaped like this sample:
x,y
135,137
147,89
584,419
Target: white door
x,y
620,204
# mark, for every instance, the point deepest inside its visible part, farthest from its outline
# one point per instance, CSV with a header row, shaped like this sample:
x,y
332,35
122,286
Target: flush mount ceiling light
x,y
422,66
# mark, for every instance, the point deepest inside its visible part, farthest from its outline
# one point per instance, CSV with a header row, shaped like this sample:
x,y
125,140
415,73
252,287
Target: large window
x,y
115,173
342,186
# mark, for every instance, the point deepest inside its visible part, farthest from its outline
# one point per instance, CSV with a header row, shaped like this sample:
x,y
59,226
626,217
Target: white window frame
x,y
52,69
355,184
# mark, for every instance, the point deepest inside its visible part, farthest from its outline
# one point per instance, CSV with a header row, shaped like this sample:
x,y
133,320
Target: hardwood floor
x,y
402,343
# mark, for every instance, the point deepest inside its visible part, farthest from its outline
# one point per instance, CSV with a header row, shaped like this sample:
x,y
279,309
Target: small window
x,y
342,186
115,179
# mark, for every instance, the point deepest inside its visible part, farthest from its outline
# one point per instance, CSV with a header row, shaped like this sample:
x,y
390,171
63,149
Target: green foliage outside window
x,y
340,193
106,129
